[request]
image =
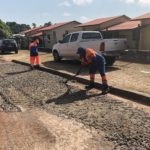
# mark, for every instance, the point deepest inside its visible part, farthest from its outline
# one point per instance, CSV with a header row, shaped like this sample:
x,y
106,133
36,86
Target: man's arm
x,y
81,67
93,60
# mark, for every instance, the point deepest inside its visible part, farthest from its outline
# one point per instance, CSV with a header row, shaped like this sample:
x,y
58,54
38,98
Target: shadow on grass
x,y
8,53
72,66
133,61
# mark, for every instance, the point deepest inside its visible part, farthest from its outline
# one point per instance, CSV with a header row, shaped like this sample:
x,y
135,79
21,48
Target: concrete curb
x,y
114,90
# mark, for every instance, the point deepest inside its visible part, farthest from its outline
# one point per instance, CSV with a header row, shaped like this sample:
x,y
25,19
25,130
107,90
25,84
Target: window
x,y
54,34
66,39
66,32
74,37
91,36
49,38
1,42
8,41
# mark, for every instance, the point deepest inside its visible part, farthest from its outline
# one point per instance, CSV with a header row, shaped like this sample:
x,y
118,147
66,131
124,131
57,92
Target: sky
x,y
57,11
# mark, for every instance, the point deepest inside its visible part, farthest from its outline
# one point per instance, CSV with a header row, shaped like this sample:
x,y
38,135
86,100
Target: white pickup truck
x,y
109,48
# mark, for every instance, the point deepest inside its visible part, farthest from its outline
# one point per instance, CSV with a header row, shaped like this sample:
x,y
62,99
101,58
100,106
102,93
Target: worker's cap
x,y
80,49
37,40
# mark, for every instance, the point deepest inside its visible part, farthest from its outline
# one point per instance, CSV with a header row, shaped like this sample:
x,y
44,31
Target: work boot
x,y
31,67
37,66
105,91
90,86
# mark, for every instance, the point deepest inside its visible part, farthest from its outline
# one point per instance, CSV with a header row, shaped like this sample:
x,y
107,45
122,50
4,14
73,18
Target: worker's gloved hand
x,y
78,73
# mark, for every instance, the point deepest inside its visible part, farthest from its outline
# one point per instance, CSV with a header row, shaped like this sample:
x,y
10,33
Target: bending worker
x,y
95,62
34,53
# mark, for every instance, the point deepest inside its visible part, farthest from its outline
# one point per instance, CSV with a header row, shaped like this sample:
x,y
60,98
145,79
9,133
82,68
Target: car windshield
x,y
8,41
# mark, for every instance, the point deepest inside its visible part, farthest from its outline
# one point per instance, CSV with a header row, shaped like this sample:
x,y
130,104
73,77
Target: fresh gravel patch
x,y
126,126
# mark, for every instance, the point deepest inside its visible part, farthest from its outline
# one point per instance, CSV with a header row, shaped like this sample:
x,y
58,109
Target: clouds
x,y
144,3
67,14
82,2
64,4
128,1
45,14
84,19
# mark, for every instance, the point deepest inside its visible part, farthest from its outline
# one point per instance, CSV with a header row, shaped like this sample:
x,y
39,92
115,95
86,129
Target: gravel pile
x,y
124,125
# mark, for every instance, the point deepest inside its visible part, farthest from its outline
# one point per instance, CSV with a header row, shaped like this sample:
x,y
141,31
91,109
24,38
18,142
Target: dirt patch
x,y
122,124
36,129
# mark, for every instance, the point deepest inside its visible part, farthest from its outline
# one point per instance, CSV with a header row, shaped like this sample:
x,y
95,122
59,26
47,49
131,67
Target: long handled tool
x,y
75,75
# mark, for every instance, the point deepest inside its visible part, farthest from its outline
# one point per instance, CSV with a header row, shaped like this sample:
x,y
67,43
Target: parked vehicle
x,y
109,48
8,45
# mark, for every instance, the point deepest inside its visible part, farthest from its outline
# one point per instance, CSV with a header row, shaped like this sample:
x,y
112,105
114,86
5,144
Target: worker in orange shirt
x,y
34,53
95,62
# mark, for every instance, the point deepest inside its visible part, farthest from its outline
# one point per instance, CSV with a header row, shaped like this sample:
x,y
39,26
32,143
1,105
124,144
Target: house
x,y
144,34
102,23
128,30
50,35
26,40
31,31
58,31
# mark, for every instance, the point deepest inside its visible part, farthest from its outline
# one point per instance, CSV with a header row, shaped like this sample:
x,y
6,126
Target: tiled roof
x,y
33,29
99,21
37,34
124,26
145,16
54,26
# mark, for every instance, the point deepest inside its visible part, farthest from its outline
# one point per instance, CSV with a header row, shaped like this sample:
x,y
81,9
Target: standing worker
x,y
34,53
95,62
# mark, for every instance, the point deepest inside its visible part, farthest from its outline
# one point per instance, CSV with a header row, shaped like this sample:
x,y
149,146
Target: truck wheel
x,y
110,60
56,56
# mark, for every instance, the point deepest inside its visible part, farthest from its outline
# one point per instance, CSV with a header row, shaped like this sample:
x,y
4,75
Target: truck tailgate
x,y
115,44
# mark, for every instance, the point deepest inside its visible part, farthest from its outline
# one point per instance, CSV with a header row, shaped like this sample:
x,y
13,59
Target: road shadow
x,y
69,97
14,73
72,66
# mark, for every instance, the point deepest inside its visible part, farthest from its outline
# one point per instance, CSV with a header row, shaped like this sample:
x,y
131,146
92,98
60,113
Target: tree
x,y
34,25
17,28
4,30
48,23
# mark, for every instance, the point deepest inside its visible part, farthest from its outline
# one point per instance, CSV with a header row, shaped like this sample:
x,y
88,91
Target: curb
x,y
140,98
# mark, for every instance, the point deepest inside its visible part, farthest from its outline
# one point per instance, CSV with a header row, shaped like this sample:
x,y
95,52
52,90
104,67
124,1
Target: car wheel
x,y
110,60
16,51
56,56
2,51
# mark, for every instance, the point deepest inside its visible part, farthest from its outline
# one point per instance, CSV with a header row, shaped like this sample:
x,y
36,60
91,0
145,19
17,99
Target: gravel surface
x,y
124,125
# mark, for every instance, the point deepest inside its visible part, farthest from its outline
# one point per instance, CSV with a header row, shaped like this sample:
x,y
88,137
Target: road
x,y
40,111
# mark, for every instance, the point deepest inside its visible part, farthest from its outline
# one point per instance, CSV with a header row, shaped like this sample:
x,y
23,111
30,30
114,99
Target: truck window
x,y
74,37
91,36
66,39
